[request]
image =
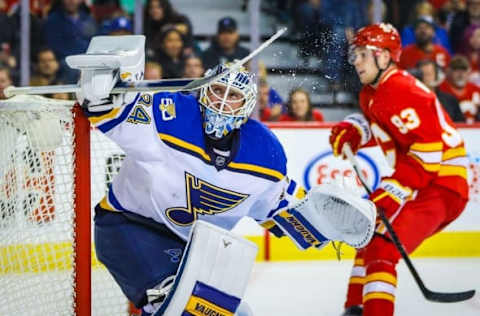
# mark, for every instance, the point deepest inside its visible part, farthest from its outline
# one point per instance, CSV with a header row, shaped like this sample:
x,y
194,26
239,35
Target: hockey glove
x,y
389,197
328,212
342,133
354,130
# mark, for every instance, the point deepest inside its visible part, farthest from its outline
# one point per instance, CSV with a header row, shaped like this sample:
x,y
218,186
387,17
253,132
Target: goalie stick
x,y
428,294
171,85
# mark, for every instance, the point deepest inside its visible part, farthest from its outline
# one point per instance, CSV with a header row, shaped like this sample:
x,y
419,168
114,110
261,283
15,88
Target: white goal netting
x,y
37,209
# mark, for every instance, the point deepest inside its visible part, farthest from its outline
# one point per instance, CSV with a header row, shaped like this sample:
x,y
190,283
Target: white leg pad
x,y
213,275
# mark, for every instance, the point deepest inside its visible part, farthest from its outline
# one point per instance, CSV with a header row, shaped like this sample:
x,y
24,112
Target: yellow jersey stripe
x,y
435,146
382,276
388,74
184,144
234,165
454,153
453,171
359,262
357,280
258,169
97,120
105,205
431,167
380,296
381,196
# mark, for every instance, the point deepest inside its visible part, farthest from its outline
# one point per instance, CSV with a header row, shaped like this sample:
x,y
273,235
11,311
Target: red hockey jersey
x,y
415,134
412,54
468,98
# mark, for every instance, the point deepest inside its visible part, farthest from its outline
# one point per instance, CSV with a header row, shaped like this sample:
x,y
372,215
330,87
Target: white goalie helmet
x,y
227,102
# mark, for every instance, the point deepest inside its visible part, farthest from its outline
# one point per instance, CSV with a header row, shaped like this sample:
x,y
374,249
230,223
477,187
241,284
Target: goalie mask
x,y
227,102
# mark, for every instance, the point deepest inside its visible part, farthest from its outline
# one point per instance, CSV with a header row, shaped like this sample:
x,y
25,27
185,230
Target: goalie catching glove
x,y
108,59
328,212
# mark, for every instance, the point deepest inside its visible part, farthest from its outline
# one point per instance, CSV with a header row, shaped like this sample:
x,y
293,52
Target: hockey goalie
x,y
193,169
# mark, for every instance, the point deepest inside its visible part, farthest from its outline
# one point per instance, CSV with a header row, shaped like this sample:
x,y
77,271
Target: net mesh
x,y
37,210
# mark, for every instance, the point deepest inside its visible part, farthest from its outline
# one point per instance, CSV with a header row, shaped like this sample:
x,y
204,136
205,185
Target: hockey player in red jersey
x,y
428,188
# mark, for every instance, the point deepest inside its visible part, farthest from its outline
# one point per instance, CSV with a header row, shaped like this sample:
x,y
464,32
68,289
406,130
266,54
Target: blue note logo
x,y
203,198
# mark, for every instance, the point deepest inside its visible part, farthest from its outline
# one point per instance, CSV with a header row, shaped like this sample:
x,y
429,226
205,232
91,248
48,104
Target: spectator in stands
x,y
158,14
428,72
46,70
225,46
457,84
193,67
153,71
462,20
120,25
269,102
470,48
169,52
103,10
424,47
300,108
446,12
68,30
191,46
424,10
5,80
7,40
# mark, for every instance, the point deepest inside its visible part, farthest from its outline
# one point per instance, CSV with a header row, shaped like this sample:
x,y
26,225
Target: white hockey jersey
x,y
169,174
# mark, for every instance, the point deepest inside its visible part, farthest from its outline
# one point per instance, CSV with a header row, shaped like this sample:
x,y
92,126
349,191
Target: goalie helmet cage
x,y
53,169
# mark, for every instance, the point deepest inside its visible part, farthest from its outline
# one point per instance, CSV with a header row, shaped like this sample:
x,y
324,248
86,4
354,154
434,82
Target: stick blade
x,y
449,297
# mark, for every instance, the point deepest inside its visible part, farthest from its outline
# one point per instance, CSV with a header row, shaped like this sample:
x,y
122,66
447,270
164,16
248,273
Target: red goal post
x,y
53,169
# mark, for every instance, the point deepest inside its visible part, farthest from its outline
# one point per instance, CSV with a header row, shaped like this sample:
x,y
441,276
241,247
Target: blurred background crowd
x,y
303,76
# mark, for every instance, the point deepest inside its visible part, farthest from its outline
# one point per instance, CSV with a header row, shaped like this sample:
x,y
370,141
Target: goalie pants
x,y
138,252
374,279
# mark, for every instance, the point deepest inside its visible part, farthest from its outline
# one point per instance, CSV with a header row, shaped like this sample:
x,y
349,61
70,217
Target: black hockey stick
x,y
429,295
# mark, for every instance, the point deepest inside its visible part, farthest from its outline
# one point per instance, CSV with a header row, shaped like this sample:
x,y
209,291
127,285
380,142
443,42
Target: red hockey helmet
x,y
380,35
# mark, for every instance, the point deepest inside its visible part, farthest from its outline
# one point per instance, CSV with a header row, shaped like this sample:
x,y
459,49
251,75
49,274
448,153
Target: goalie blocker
x,y
108,60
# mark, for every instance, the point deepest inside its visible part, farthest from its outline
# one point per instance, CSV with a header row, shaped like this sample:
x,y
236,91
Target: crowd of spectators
x,y
441,40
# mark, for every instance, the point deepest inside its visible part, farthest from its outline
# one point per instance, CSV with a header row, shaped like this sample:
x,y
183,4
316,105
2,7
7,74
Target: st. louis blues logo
x,y
203,198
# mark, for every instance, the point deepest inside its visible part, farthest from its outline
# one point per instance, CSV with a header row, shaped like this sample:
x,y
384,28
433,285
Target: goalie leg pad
x,y
213,275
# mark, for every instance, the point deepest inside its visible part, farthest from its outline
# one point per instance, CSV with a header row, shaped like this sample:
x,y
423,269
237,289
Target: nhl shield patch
x,y
167,107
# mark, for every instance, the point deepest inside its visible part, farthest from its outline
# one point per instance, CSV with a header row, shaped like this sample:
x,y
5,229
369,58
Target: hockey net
x,y
53,170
